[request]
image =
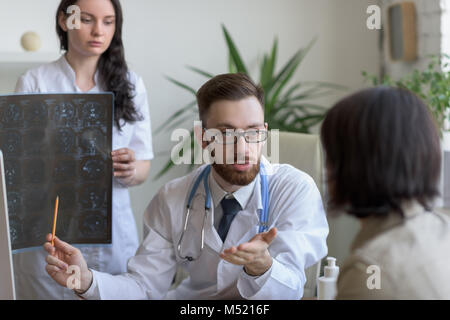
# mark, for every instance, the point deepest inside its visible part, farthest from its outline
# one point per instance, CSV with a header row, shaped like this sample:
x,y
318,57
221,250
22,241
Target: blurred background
x,y
161,38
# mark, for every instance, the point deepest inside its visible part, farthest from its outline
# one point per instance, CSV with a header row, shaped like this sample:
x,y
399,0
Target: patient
x,y
383,162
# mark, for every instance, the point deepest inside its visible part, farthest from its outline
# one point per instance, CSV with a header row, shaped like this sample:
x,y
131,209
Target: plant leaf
x,y
201,72
290,91
268,67
234,53
280,86
324,84
176,124
312,94
182,85
288,66
288,71
170,164
176,115
231,65
263,71
305,106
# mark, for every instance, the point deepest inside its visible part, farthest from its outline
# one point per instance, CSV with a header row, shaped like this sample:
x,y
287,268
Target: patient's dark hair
x,y
381,147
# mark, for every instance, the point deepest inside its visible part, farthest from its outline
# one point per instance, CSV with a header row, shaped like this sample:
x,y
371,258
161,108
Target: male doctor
x,y
234,260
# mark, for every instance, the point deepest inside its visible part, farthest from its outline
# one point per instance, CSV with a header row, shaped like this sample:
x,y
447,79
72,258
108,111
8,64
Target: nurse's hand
x,y
253,255
60,257
129,171
124,164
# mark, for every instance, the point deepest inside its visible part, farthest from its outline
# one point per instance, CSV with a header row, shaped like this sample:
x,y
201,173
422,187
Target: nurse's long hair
x,y
112,67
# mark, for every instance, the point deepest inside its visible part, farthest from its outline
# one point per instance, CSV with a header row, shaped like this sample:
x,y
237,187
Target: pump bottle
x,y
326,285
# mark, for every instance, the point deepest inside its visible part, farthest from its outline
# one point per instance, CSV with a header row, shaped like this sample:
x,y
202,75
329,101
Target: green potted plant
x,y
431,84
288,106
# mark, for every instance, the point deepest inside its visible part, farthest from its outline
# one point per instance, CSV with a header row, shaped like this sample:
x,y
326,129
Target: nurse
x,y
235,259
94,62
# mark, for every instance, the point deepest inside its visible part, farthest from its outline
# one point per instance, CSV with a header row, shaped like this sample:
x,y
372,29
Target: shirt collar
x,y
70,73
242,195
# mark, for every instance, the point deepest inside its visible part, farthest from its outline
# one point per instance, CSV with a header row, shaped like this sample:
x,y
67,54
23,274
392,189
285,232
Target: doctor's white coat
x,y
295,209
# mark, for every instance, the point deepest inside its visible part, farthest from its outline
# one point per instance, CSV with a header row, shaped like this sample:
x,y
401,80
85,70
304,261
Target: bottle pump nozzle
x,y
331,270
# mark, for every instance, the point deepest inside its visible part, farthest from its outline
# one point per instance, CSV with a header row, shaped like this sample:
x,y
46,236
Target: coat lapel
x,y
244,226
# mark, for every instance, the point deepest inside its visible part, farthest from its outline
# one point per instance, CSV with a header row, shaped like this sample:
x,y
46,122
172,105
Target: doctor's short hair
x,y
382,148
229,86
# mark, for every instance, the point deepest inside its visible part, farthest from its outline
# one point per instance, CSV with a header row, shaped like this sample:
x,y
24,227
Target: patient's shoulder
x,y
409,257
425,234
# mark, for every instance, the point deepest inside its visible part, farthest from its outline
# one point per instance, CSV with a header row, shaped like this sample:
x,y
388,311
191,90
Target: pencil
x,y
55,215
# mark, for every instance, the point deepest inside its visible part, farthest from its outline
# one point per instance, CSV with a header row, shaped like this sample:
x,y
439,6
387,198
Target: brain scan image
x,y
34,170
64,111
36,228
92,169
65,141
92,141
63,225
93,111
58,145
35,200
64,170
34,142
12,173
11,142
12,116
36,114
92,197
67,196
14,201
15,229
92,224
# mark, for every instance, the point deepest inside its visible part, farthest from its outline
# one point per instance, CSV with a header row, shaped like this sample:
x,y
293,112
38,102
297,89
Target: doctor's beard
x,y
235,177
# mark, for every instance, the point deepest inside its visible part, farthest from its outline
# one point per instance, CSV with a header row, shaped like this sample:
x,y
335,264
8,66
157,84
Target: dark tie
x,y
230,208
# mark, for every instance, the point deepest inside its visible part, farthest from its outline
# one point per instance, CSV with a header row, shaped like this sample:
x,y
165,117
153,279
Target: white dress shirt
x,y
295,209
32,281
242,196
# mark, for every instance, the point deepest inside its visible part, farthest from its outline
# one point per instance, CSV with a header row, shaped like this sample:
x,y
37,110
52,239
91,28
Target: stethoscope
x,y
263,213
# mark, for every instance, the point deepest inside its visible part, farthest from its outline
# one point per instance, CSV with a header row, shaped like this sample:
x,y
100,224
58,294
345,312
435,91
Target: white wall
x,y
163,36
428,15
445,26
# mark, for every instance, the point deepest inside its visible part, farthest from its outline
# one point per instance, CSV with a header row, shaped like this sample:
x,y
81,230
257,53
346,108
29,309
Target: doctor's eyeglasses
x,y
231,136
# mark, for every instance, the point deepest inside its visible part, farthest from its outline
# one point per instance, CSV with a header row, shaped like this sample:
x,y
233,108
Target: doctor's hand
x,y
253,255
60,257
